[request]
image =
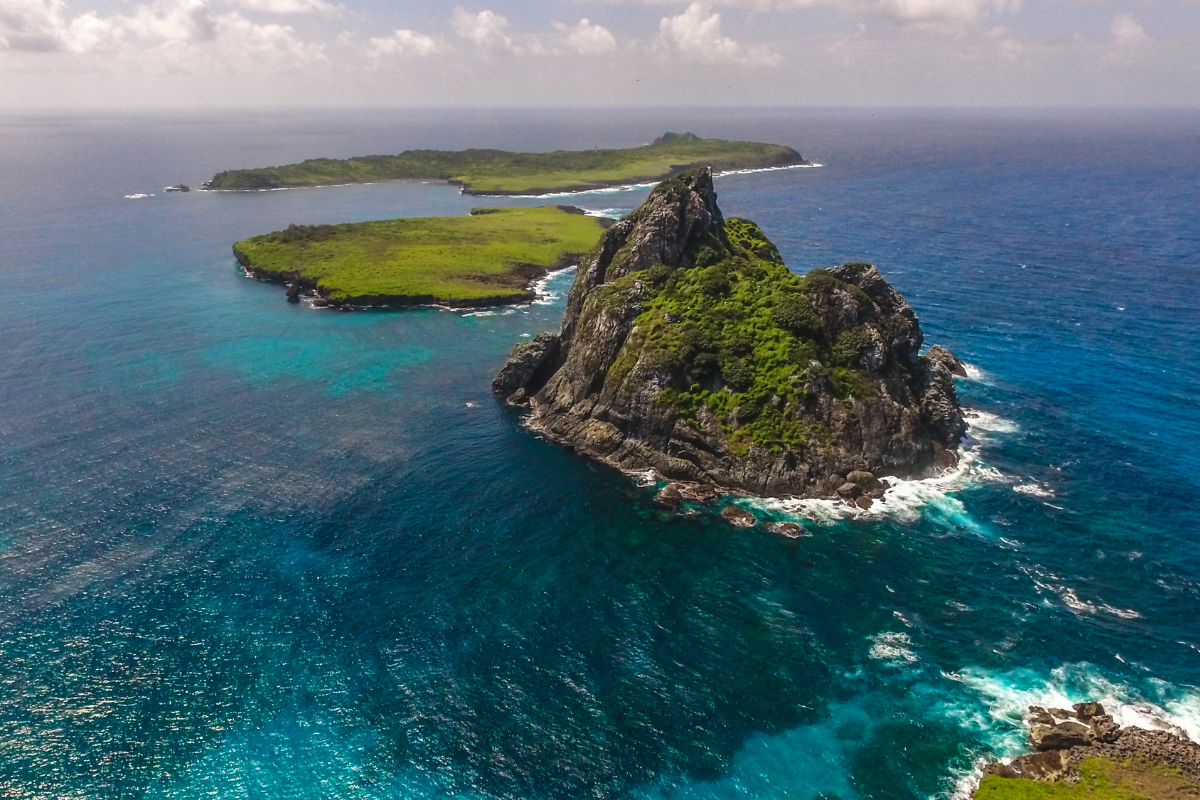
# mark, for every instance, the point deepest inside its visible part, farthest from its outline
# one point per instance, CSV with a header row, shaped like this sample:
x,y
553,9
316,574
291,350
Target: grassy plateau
x,y
487,258
500,172
1099,779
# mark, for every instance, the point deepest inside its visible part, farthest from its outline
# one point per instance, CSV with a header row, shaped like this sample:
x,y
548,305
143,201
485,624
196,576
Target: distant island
x,y
498,172
491,257
688,349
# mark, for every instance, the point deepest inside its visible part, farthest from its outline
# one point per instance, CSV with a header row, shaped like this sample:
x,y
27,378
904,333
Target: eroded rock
x,y
1062,736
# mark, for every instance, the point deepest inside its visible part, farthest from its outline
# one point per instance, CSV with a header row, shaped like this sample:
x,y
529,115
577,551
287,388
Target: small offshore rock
x,y
789,529
1062,736
738,517
669,497
951,362
1085,711
863,502
293,292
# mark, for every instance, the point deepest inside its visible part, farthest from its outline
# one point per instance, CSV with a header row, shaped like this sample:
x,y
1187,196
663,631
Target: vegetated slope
x,y
689,348
487,258
501,172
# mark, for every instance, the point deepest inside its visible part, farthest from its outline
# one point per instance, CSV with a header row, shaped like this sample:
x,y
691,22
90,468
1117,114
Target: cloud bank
x,y
930,52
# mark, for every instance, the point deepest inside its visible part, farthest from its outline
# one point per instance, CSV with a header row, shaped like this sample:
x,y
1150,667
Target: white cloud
x,y
1128,32
587,38
293,7
486,29
403,42
695,35
945,14
936,12
169,33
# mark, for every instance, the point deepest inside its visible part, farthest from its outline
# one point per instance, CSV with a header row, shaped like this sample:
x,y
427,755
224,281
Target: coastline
x,y
903,496
313,295
537,194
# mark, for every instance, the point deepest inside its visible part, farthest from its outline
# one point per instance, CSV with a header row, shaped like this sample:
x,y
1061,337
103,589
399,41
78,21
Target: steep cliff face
x,y
689,349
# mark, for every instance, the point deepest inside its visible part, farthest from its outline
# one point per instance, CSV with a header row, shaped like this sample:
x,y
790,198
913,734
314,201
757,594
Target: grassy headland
x,y
500,172
487,258
1099,779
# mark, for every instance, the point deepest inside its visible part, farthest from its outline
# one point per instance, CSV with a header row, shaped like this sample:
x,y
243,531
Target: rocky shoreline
x,y
1063,740
301,289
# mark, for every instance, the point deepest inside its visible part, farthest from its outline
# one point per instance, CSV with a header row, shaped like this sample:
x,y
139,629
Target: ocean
x,y
252,549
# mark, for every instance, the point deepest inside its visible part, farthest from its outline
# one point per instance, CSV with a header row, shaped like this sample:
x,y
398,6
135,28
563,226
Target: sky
x,y
542,53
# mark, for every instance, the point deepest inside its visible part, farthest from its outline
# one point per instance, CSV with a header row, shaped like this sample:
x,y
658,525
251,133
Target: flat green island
x,y
498,172
491,257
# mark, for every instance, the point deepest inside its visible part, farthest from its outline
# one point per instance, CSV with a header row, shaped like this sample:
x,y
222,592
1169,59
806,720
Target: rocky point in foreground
x,y
1084,753
689,349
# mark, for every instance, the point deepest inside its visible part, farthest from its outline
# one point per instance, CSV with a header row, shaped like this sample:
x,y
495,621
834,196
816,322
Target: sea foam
x,y
1002,699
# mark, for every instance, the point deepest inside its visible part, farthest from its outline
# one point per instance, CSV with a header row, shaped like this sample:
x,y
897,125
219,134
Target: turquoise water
x,y
249,549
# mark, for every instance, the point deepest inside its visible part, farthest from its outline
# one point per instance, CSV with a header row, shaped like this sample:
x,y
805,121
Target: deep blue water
x,y
249,549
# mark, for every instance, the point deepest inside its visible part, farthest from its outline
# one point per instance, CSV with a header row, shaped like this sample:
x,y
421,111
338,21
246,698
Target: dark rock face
x,y
821,376
524,364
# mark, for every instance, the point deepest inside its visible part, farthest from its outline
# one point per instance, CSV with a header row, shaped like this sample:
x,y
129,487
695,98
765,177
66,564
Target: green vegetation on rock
x,y
1099,779
501,172
689,349
488,257
741,337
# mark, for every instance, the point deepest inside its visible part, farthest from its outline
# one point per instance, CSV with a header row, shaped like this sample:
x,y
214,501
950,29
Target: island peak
x,y
689,349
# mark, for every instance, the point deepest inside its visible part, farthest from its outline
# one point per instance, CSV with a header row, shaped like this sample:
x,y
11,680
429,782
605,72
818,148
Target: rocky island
x,y
689,349
497,172
491,257
1084,753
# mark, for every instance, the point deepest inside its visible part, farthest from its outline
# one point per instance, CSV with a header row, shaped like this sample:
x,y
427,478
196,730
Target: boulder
x,y
953,364
1049,766
1085,711
864,480
738,517
863,502
789,529
848,491
669,497
1039,716
1062,736
1104,729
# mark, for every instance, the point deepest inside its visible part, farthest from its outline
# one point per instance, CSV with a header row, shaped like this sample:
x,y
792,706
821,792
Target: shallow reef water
x,y
251,549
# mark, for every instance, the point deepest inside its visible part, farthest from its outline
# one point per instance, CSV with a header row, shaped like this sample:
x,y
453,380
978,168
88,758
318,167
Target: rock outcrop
x,y
1065,739
689,349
